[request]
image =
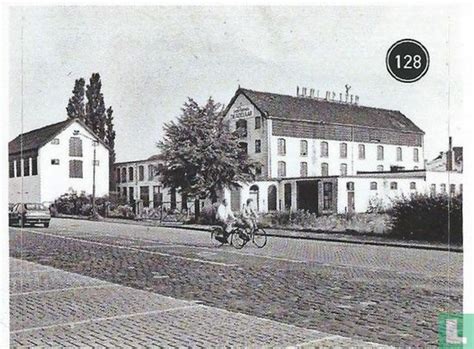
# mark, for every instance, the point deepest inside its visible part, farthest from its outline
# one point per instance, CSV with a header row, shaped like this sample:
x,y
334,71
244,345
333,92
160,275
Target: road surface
x,y
170,287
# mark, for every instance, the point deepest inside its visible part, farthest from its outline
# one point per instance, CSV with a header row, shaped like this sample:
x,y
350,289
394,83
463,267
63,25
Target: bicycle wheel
x,y
216,232
259,237
238,238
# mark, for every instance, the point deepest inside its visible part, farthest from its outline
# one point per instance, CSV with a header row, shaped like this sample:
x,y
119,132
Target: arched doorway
x,y
253,194
272,198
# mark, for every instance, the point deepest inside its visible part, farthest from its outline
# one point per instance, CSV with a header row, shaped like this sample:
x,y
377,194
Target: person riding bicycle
x,y
225,218
249,216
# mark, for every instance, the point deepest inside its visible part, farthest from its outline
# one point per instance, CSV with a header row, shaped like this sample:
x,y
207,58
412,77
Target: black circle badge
x,y
407,60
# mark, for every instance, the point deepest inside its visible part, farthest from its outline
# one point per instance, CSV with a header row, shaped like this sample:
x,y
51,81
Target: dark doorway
x,y
287,196
307,196
272,198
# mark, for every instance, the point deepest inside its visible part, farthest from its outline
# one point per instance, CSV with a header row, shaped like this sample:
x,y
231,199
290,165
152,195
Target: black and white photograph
x,y
236,177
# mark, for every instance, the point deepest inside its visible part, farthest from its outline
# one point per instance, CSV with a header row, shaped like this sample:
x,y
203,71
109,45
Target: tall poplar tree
x,y
75,107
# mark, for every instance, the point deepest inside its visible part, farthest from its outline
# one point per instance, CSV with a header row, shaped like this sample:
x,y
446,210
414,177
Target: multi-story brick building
x,y
308,147
139,180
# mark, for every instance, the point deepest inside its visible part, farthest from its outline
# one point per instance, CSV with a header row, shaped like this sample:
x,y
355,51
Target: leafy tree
x,y
95,106
201,155
75,107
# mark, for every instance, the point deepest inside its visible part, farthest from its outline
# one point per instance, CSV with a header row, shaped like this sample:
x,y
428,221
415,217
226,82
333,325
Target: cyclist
x,y
249,216
225,217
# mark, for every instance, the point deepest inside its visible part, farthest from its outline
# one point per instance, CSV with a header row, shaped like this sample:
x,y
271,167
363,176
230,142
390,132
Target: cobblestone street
x,y
156,286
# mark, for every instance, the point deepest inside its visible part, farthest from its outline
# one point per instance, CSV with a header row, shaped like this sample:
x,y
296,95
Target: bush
x,y
430,218
73,203
208,215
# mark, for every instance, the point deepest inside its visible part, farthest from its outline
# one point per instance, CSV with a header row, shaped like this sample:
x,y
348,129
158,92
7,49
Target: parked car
x,y
29,213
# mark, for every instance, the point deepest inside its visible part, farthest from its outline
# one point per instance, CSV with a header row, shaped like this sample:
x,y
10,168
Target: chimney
x,y
318,94
297,91
356,100
311,92
303,91
352,97
449,155
340,97
327,95
333,95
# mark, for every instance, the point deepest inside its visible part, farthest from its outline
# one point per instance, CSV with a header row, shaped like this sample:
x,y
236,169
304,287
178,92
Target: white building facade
x,y
53,160
313,153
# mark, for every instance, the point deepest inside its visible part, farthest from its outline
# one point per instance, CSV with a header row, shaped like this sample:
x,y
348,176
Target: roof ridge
x,y
322,100
44,127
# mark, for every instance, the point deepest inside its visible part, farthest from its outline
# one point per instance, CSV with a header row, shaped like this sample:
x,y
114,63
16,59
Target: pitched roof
x,y
35,139
319,110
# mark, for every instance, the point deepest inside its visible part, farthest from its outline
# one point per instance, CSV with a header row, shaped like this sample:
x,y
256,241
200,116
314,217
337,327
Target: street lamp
x,y
95,143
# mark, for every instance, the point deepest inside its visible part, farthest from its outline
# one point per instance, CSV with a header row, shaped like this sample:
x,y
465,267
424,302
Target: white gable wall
x,y
55,179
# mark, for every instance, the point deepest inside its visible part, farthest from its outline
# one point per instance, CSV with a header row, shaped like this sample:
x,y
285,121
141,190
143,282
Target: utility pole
x,y
94,209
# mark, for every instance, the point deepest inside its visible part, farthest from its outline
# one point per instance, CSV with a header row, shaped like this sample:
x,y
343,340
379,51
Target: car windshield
x,y
35,207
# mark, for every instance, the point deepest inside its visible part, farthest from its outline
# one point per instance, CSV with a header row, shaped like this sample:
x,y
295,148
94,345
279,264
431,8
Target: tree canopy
x,y
201,155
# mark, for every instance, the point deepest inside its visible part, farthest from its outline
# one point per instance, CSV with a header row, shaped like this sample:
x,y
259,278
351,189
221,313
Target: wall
x,y
28,185
447,178
354,164
55,179
262,197
242,108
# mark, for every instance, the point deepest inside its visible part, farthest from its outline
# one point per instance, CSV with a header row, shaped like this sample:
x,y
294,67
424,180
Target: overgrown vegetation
x,y
430,218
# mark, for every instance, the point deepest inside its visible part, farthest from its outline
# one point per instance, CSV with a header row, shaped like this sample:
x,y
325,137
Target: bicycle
x,y
239,236
256,234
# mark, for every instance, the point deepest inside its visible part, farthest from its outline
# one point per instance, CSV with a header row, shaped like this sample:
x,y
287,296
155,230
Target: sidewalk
x,y
302,234
112,315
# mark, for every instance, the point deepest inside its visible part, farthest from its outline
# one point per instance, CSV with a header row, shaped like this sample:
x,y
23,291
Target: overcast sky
x,y
151,59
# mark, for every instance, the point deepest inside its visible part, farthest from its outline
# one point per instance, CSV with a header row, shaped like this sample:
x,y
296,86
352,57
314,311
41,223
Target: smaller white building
x,y
50,161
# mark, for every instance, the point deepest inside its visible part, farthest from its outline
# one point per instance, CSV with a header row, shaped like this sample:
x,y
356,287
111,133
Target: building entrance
x,y
307,196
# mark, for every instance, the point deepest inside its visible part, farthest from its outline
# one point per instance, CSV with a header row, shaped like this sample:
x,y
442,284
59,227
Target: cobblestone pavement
x,y
370,293
51,307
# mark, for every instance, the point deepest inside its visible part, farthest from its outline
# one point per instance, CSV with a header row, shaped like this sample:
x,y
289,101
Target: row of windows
x,y
442,188
324,169
343,150
30,167
121,174
241,126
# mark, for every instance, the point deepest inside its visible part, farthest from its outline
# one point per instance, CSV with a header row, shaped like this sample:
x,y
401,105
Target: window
x,y
373,185
380,168
75,168
442,188
55,141
18,167
54,161
130,174
281,169
34,166
393,185
343,150
117,178
433,189
327,196
350,186
11,168
399,154
124,192
379,152
452,189
258,146
241,128
361,151
324,150
145,195
258,122
243,149
416,156
304,169
258,170
141,173
124,175
151,172
343,169
75,146
26,167
412,185
281,146
324,169
303,148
